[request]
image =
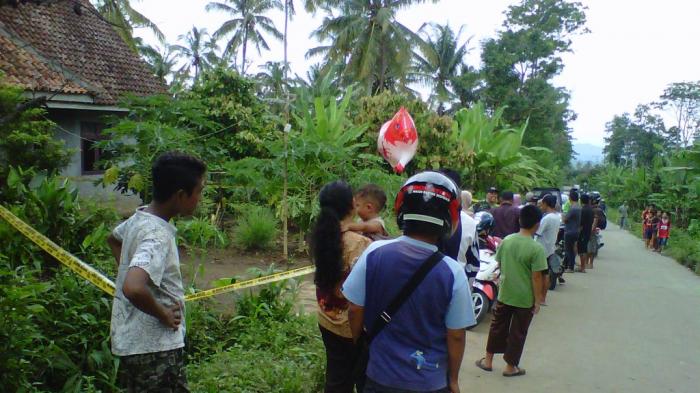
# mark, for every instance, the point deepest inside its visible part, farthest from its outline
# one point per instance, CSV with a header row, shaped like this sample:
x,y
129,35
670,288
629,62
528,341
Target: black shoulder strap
x,y
384,317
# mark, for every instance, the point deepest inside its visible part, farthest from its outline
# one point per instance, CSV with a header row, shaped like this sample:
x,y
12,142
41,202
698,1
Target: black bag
x,y
384,317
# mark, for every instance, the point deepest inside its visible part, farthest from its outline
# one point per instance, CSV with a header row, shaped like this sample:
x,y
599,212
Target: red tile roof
x,y
49,47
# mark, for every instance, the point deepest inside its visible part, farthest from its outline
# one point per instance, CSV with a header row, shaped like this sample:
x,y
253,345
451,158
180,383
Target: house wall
x,y
68,130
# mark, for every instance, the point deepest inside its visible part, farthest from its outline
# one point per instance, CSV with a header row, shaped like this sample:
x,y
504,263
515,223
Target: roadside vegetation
x,y
653,157
504,123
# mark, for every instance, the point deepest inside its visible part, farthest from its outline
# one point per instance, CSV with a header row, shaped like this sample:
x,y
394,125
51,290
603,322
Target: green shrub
x,y
256,228
263,347
272,357
60,342
200,233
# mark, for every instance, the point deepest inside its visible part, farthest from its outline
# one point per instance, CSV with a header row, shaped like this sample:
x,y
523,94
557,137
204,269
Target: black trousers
x,y
570,240
342,356
508,332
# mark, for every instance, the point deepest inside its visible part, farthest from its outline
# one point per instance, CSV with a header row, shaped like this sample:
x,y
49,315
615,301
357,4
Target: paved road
x,y
630,325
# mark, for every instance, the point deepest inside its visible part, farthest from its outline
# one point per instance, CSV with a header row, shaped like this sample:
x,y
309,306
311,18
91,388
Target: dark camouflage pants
x,y
158,372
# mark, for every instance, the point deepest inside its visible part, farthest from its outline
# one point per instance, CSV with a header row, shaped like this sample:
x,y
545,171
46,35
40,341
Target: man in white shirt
x,y
547,235
469,244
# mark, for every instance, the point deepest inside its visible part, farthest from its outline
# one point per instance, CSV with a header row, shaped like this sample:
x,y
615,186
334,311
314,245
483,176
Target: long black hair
x,y
326,239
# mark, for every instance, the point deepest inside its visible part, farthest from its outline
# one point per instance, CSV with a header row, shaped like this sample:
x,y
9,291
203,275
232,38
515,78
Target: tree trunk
x,y
245,49
246,26
285,236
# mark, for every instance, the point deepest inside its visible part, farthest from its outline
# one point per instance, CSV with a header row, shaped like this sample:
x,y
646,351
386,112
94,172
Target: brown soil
x,y
230,262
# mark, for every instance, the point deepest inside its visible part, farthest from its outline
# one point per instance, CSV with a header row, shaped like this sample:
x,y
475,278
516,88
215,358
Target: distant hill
x,y
585,152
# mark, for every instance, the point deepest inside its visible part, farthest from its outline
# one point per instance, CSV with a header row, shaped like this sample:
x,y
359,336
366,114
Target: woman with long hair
x,y
334,252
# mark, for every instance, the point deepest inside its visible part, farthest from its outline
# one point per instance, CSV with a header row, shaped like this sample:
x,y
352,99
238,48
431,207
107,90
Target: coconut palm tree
x,y
273,80
365,34
247,25
161,60
199,49
122,15
439,62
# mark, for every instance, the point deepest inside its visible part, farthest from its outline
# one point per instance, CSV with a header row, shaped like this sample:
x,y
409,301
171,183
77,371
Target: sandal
x,y
521,371
480,363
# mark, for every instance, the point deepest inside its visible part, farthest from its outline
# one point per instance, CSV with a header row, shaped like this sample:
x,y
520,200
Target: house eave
x,y
81,102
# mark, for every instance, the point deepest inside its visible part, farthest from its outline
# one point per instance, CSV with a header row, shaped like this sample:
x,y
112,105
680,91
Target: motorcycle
x,y
485,286
557,265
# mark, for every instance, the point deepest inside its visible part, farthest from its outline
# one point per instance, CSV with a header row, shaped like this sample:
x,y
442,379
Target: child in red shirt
x,y
664,232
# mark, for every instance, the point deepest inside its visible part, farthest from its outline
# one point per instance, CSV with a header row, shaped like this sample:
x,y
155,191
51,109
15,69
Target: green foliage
x,y
368,39
230,100
518,68
200,233
441,61
279,357
433,146
683,99
21,304
635,141
256,228
26,134
246,25
264,347
58,337
328,147
153,126
490,153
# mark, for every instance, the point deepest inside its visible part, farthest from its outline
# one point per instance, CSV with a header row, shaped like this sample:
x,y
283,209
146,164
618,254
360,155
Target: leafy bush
x,y
62,340
256,228
26,135
265,347
276,357
200,233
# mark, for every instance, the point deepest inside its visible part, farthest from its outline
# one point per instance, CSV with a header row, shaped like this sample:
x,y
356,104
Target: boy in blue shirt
x,y
421,348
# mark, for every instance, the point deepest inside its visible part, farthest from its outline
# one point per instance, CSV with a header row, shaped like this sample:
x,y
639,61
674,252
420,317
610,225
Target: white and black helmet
x,y
429,197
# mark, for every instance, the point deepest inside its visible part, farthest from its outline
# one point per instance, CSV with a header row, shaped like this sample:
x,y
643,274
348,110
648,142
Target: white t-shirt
x,y
468,236
148,242
547,234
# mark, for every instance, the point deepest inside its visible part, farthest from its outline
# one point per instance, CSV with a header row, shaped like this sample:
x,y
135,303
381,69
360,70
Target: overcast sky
x,y
635,48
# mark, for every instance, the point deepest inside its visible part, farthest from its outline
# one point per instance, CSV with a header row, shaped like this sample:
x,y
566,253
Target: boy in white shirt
x,y
148,327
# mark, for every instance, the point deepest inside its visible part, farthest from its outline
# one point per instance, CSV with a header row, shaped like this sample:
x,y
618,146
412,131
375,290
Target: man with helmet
x,y
412,302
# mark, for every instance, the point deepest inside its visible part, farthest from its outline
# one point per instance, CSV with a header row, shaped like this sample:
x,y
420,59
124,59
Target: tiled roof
x,y
49,47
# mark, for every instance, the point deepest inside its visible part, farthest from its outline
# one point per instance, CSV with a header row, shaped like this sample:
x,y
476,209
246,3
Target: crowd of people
x,y
656,228
392,313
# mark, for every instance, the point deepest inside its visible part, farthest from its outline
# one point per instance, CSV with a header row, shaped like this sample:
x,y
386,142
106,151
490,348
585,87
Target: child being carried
x,y
369,203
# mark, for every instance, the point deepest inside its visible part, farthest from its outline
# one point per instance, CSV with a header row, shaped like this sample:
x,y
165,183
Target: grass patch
x,y
284,357
256,228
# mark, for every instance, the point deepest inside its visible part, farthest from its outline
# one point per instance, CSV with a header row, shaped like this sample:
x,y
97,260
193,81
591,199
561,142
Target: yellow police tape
x,y
105,284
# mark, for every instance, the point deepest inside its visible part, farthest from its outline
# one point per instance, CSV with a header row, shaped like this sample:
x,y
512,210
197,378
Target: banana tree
x,y
489,152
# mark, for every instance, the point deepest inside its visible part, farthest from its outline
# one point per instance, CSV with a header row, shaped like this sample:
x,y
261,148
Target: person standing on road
x,y
623,215
594,242
417,346
506,216
547,236
664,231
522,261
572,222
334,253
584,237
